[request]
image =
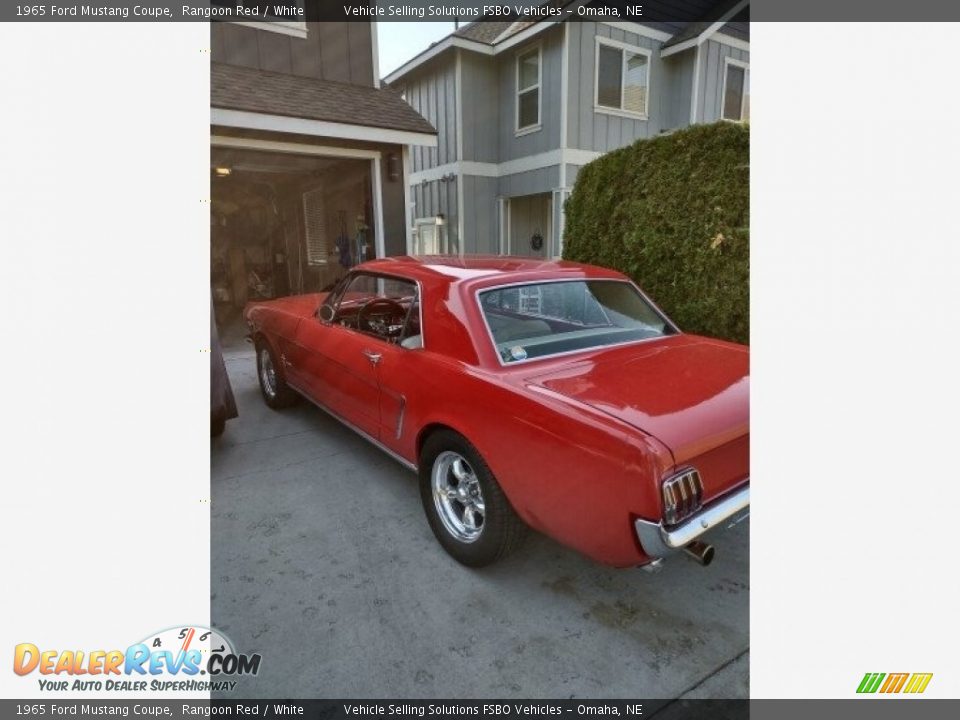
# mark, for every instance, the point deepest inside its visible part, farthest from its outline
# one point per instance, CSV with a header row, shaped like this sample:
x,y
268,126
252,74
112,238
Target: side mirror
x,y
327,313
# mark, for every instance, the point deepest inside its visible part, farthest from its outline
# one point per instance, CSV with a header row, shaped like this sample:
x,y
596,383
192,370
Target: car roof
x,y
449,269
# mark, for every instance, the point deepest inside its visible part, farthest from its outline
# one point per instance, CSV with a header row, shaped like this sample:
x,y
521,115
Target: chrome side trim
x,y
403,408
366,436
658,541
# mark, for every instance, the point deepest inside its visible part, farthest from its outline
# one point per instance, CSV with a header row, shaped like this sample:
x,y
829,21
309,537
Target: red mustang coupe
x,y
552,395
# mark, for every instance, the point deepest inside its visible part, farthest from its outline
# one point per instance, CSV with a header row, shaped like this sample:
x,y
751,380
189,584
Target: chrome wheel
x,y
457,496
268,375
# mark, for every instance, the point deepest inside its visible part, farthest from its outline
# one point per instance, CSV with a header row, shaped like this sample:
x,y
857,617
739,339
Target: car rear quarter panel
x,y
572,473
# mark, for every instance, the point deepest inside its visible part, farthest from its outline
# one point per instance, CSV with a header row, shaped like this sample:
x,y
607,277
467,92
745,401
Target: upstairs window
x,y
736,91
623,78
528,90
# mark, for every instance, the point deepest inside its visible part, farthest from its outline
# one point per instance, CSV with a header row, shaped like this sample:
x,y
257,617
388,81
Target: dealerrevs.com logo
x,y
181,659
911,683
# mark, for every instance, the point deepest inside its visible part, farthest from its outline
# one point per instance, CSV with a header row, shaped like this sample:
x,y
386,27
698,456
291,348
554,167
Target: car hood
x,y
690,392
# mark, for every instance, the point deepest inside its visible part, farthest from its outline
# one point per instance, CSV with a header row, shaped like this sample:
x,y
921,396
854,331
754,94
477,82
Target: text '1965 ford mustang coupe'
x,y
552,395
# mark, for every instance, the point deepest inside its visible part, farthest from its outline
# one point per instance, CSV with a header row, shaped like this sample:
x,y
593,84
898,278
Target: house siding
x,y
481,93
338,51
434,95
588,129
480,234
548,136
488,96
712,65
540,180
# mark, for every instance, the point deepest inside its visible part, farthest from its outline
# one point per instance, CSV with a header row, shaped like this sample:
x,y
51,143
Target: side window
x,y
736,91
528,91
378,305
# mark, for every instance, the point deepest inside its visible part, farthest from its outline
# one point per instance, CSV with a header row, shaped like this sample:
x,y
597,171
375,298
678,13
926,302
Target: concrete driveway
x,y
322,561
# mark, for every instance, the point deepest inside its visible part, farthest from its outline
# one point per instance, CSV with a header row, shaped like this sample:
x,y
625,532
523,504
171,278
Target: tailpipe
x,y
700,551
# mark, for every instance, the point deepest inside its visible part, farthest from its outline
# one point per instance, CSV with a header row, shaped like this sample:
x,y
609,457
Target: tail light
x,y
682,495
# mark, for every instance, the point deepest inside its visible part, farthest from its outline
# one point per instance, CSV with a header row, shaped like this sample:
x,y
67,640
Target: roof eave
x,y
711,30
247,120
433,51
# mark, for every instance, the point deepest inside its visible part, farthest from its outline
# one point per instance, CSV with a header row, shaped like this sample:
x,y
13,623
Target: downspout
x,y
564,120
458,81
695,100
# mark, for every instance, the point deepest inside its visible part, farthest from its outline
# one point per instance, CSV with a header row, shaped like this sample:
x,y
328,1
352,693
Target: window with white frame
x,y
736,91
622,78
272,20
528,90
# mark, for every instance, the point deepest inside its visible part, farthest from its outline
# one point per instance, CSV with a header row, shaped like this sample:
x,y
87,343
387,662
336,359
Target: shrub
x,y
672,212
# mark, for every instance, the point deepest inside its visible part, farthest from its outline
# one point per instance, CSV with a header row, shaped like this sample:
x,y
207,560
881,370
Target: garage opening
x,y
284,224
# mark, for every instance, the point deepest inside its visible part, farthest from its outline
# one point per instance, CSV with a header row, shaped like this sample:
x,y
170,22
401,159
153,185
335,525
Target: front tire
x,y
465,506
273,384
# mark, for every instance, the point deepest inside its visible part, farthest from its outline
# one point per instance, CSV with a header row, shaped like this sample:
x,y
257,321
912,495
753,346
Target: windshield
x,y
549,318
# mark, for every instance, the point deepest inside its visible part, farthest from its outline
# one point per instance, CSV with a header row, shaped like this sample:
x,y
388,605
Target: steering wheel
x,y
383,317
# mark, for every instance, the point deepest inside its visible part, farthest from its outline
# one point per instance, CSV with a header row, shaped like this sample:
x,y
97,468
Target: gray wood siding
x,y
480,215
481,107
548,137
433,94
678,76
712,65
540,180
340,51
588,129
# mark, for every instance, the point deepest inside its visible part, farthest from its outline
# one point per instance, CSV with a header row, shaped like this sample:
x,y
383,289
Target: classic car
x,y
525,393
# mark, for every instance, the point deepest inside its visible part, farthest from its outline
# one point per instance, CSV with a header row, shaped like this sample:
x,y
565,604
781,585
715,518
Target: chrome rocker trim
x,y
350,426
657,541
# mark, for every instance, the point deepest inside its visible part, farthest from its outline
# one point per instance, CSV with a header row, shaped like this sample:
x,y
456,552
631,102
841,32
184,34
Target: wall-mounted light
x,y
222,171
440,220
393,166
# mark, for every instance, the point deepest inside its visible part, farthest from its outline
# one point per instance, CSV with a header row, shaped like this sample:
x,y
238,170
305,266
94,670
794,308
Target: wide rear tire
x,y
468,511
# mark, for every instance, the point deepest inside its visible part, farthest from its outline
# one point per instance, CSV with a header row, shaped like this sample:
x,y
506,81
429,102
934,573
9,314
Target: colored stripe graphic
x,y
894,682
918,682
870,682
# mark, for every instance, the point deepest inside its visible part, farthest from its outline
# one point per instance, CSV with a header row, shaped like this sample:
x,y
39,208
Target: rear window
x,y
538,320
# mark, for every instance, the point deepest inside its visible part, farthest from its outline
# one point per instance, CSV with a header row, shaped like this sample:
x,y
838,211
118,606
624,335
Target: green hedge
x,y
673,213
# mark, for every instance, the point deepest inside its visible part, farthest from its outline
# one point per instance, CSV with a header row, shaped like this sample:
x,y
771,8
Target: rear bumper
x,y
659,541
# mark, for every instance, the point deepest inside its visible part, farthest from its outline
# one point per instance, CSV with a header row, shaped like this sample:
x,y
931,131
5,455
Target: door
x,y
530,225
345,346
336,373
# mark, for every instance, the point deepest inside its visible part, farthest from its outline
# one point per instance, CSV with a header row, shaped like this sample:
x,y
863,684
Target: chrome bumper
x,y
658,541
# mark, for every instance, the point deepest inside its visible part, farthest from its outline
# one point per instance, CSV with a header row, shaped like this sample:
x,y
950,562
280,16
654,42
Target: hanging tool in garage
x,y
343,241
361,239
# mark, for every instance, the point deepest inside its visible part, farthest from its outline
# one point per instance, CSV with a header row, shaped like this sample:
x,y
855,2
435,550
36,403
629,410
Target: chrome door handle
x,y
372,356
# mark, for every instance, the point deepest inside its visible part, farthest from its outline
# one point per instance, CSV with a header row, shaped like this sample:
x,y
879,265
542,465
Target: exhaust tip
x,y
701,552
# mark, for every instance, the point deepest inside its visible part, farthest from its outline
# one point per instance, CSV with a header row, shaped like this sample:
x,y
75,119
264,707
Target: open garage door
x,y
284,223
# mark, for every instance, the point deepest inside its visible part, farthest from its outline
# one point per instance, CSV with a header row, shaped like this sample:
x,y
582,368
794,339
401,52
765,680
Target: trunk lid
x,y
690,392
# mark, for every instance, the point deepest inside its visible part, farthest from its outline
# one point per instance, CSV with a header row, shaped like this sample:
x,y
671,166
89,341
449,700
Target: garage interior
x,y
284,224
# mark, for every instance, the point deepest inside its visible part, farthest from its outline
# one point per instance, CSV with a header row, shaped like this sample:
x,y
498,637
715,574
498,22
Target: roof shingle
x,y
260,91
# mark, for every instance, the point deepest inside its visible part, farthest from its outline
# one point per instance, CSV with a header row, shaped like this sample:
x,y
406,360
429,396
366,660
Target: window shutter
x,y
315,224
